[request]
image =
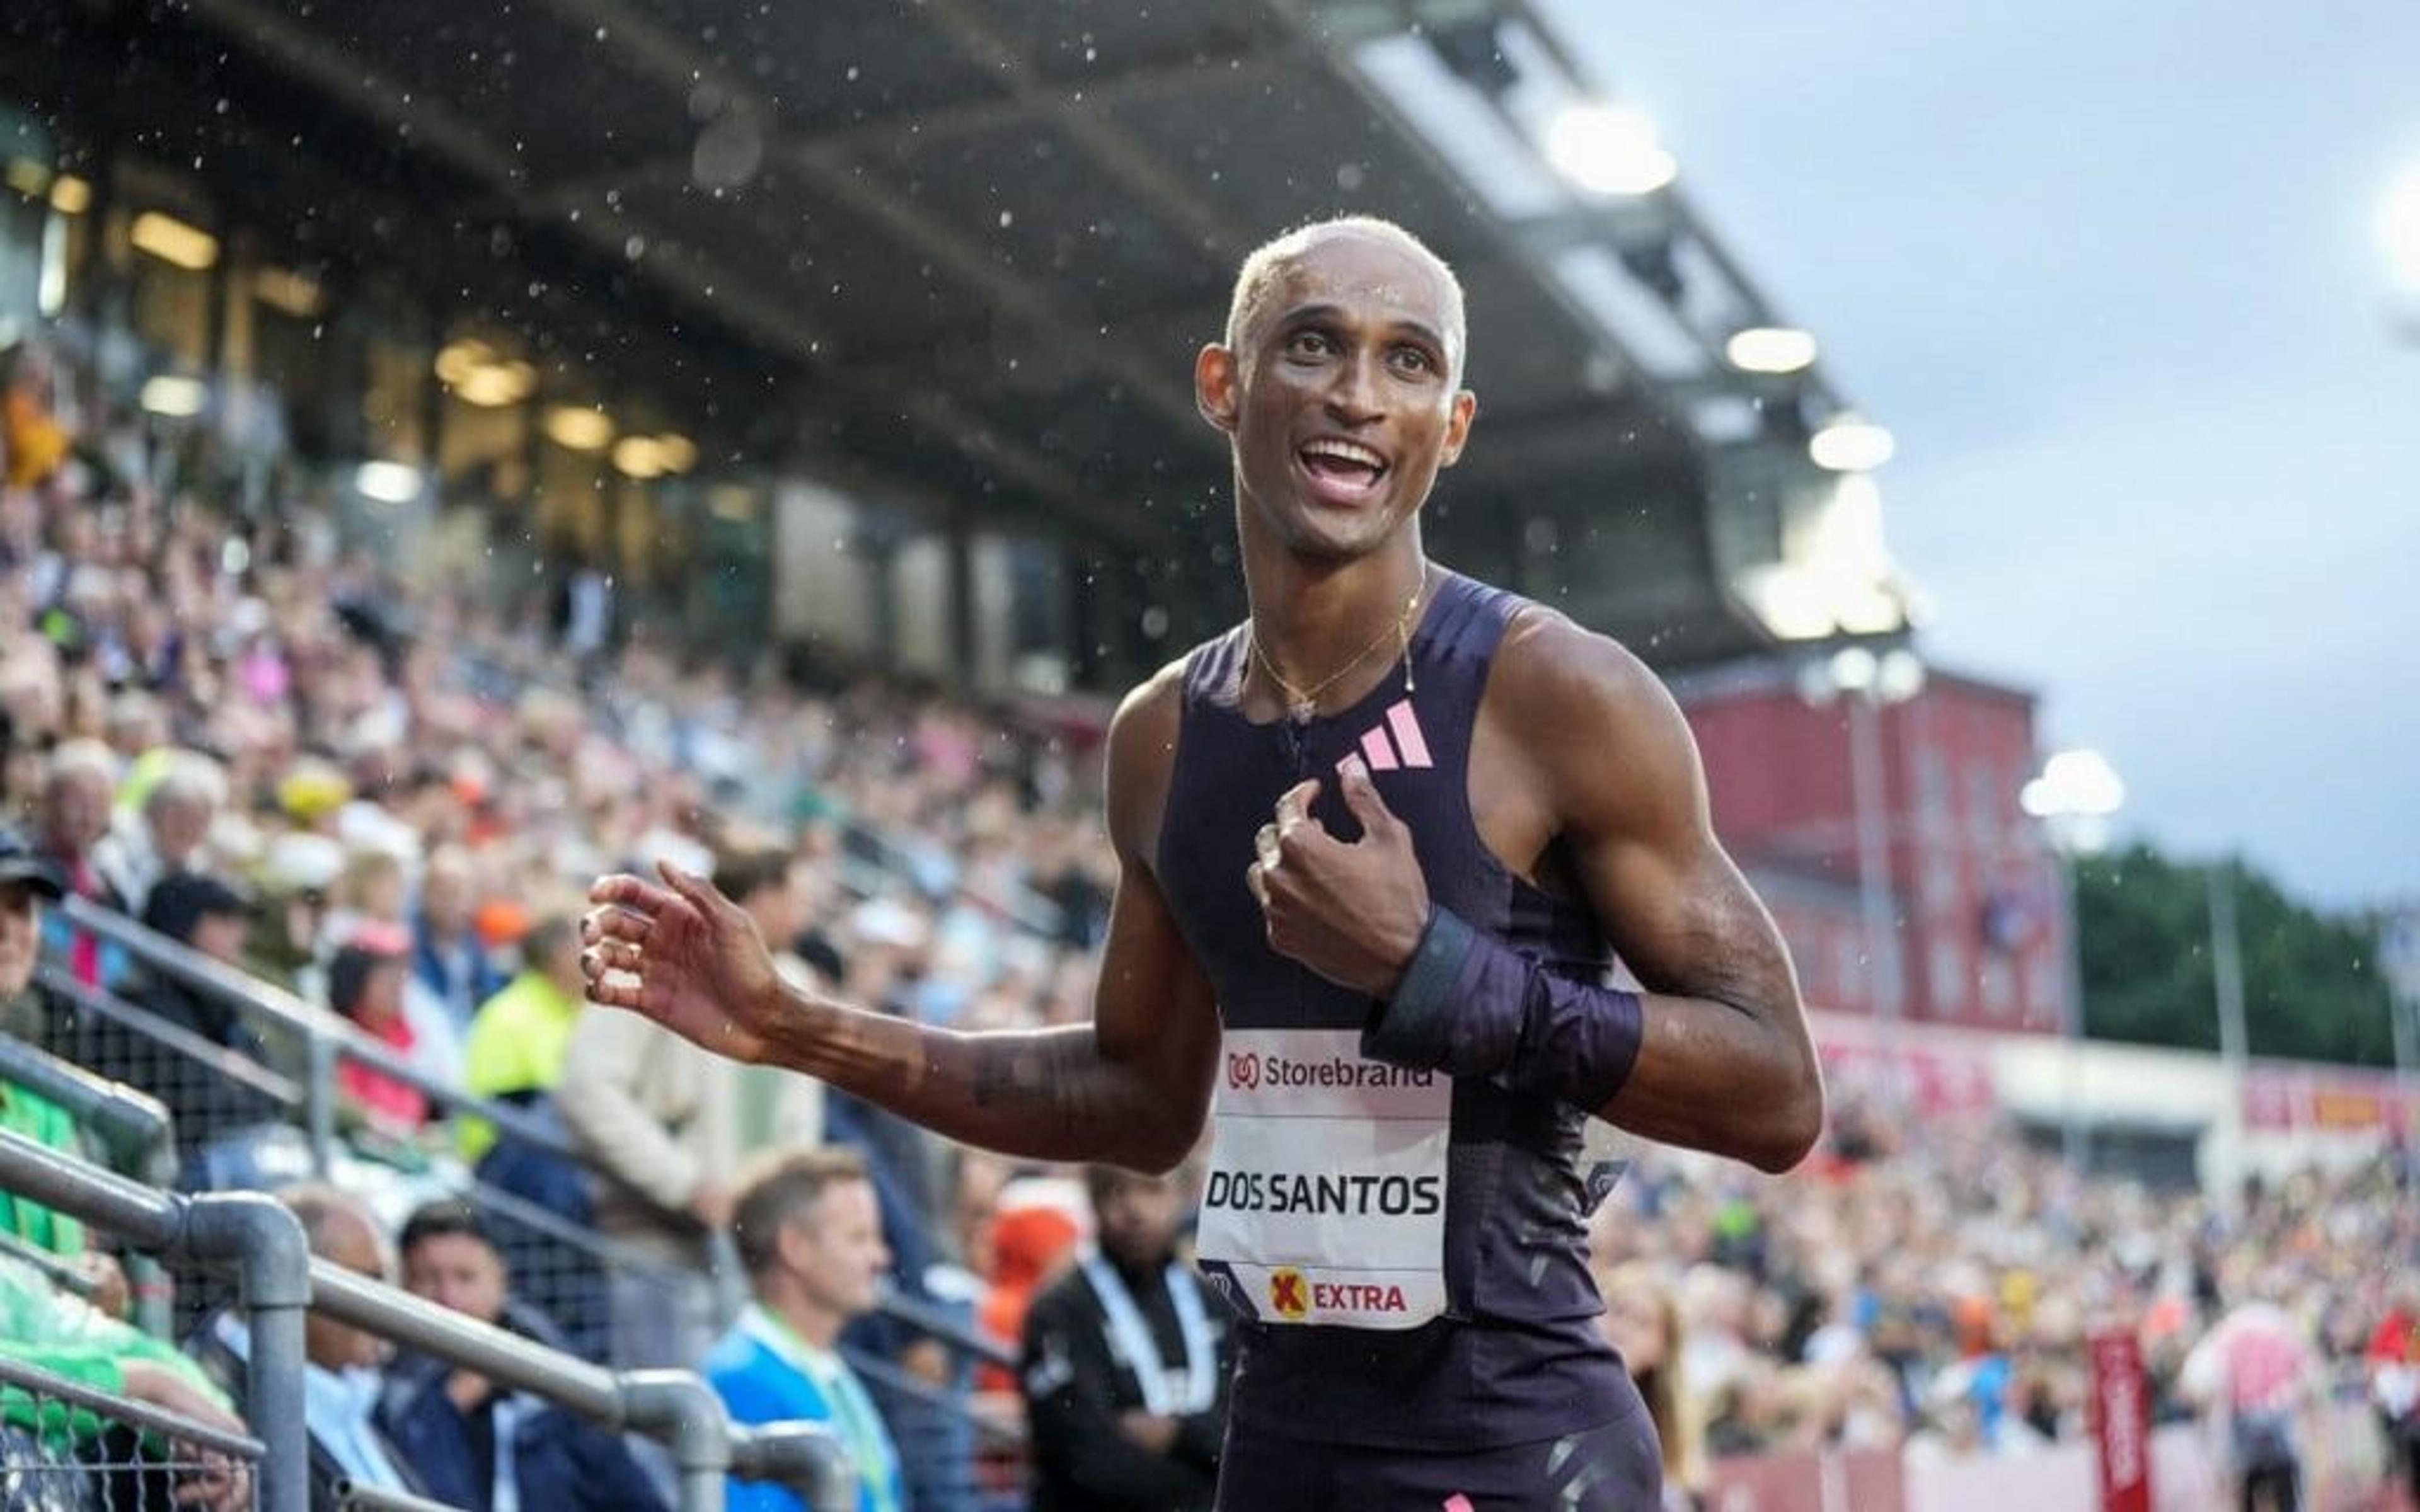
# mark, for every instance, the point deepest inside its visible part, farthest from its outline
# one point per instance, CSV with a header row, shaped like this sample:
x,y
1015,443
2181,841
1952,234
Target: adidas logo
x,y
1396,743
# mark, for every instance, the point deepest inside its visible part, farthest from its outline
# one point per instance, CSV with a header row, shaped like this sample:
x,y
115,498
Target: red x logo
x,y
1285,1294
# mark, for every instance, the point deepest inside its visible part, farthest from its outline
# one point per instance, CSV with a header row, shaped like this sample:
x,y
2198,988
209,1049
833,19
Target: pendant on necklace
x,y
1303,711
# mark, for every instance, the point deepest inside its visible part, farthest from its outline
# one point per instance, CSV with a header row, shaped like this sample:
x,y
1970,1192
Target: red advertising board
x,y
2121,1422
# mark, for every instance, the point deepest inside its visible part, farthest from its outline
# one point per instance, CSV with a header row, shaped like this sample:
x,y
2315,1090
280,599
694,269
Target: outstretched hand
x,y
684,955
1354,913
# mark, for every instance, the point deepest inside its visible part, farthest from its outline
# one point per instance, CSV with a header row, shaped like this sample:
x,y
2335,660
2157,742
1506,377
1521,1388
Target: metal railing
x,y
264,1243
675,1407
135,1138
244,1232
555,1260
66,1444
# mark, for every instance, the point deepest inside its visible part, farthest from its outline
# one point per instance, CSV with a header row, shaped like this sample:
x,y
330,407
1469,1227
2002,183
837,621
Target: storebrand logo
x,y
1287,1293
1249,1069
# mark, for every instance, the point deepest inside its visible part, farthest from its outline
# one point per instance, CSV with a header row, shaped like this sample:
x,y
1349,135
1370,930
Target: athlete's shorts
x,y
1616,1468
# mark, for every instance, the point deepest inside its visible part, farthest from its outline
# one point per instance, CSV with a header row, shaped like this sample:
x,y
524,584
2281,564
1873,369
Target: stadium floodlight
x,y
389,483
639,456
1770,350
1609,149
495,385
677,453
579,428
174,396
174,242
1851,444
70,195
2077,790
2398,229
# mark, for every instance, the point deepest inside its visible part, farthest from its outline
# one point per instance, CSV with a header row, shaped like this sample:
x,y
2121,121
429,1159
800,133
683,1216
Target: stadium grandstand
x,y
453,451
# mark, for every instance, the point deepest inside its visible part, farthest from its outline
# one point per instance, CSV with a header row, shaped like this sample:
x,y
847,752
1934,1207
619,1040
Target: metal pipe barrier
x,y
674,1407
328,1038
243,1231
135,1134
132,1126
352,1498
66,1445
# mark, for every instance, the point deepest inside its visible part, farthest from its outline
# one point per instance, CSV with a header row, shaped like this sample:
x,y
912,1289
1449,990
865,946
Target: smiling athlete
x,y
1380,846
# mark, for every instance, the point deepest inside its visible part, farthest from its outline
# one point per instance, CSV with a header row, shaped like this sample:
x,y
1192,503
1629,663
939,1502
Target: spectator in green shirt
x,y
28,880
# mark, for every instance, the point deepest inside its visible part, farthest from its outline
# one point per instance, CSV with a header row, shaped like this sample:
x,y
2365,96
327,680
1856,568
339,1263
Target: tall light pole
x,y
1868,683
2074,797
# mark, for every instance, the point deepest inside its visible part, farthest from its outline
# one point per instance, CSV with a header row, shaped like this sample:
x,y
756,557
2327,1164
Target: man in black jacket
x,y
477,1445
1125,1364
208,1103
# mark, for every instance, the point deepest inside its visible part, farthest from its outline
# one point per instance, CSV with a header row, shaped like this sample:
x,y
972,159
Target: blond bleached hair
x,y
1260,272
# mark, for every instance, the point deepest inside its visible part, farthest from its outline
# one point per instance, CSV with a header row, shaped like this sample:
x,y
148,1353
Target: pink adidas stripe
x,y
1407,735
1381,755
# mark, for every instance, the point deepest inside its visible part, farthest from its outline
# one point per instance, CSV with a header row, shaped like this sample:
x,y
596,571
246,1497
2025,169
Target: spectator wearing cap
x,y
477,1444
212,918
366,985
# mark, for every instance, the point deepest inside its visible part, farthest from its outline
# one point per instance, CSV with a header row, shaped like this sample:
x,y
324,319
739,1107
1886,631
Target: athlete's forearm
x,y
1721,1064
1470,1006
1041,1094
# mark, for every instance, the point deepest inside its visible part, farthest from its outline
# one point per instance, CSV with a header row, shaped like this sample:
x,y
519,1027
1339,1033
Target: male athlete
x,y
1471,807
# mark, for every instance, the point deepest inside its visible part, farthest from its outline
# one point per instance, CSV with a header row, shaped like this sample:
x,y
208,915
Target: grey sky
x,y
2110,273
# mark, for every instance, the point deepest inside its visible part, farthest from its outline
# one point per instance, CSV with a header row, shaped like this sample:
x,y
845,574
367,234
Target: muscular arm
x,y
1724,1061
1131,1087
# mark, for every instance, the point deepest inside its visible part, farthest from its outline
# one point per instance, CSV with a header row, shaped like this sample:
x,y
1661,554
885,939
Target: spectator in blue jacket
x,y
476,1444
810,1234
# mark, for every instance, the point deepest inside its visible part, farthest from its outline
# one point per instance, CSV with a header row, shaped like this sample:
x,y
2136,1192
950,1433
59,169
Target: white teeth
x,y
1347,450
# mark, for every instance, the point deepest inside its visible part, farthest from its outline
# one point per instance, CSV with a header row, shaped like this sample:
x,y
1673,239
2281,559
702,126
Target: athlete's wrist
x,y
796,1022
1413,1023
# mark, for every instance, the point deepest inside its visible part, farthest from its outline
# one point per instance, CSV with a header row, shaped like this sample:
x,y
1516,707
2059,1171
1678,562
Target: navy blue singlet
x,y
1511,1354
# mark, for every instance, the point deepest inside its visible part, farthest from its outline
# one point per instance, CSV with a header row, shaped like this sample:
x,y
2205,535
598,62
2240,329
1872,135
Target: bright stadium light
x,y
578,429
1609,149
1851,444
173,397
2398,229
389,483
2074,784
173,242
677,453
639,456
70,195
1770,350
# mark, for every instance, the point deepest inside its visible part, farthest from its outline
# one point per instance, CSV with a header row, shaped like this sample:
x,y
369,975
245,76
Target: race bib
x,y
1325,1201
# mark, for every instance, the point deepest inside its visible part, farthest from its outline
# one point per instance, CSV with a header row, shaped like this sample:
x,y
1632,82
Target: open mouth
x,y
1342,471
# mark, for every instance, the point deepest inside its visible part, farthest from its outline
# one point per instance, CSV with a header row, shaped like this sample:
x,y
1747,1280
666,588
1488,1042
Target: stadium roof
x,y
969,246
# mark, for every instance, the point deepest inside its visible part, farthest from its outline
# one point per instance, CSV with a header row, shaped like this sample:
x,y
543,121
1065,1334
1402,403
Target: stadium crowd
x,y
257,738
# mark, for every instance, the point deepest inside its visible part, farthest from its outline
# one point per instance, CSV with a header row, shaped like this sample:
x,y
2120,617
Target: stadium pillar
x,y
963,628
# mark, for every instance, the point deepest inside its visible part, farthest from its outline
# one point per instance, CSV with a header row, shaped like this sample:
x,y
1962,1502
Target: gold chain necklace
x,y
1302,703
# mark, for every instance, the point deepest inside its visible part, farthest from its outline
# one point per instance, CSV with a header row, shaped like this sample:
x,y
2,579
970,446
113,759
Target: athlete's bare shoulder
x,y
1142,752
1547,662
1599,729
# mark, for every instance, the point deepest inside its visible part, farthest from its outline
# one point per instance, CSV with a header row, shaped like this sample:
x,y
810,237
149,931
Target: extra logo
x,y
1289,1294
1243,1070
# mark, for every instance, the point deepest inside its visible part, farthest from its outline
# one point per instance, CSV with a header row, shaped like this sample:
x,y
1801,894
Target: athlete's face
x,y
1341,395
